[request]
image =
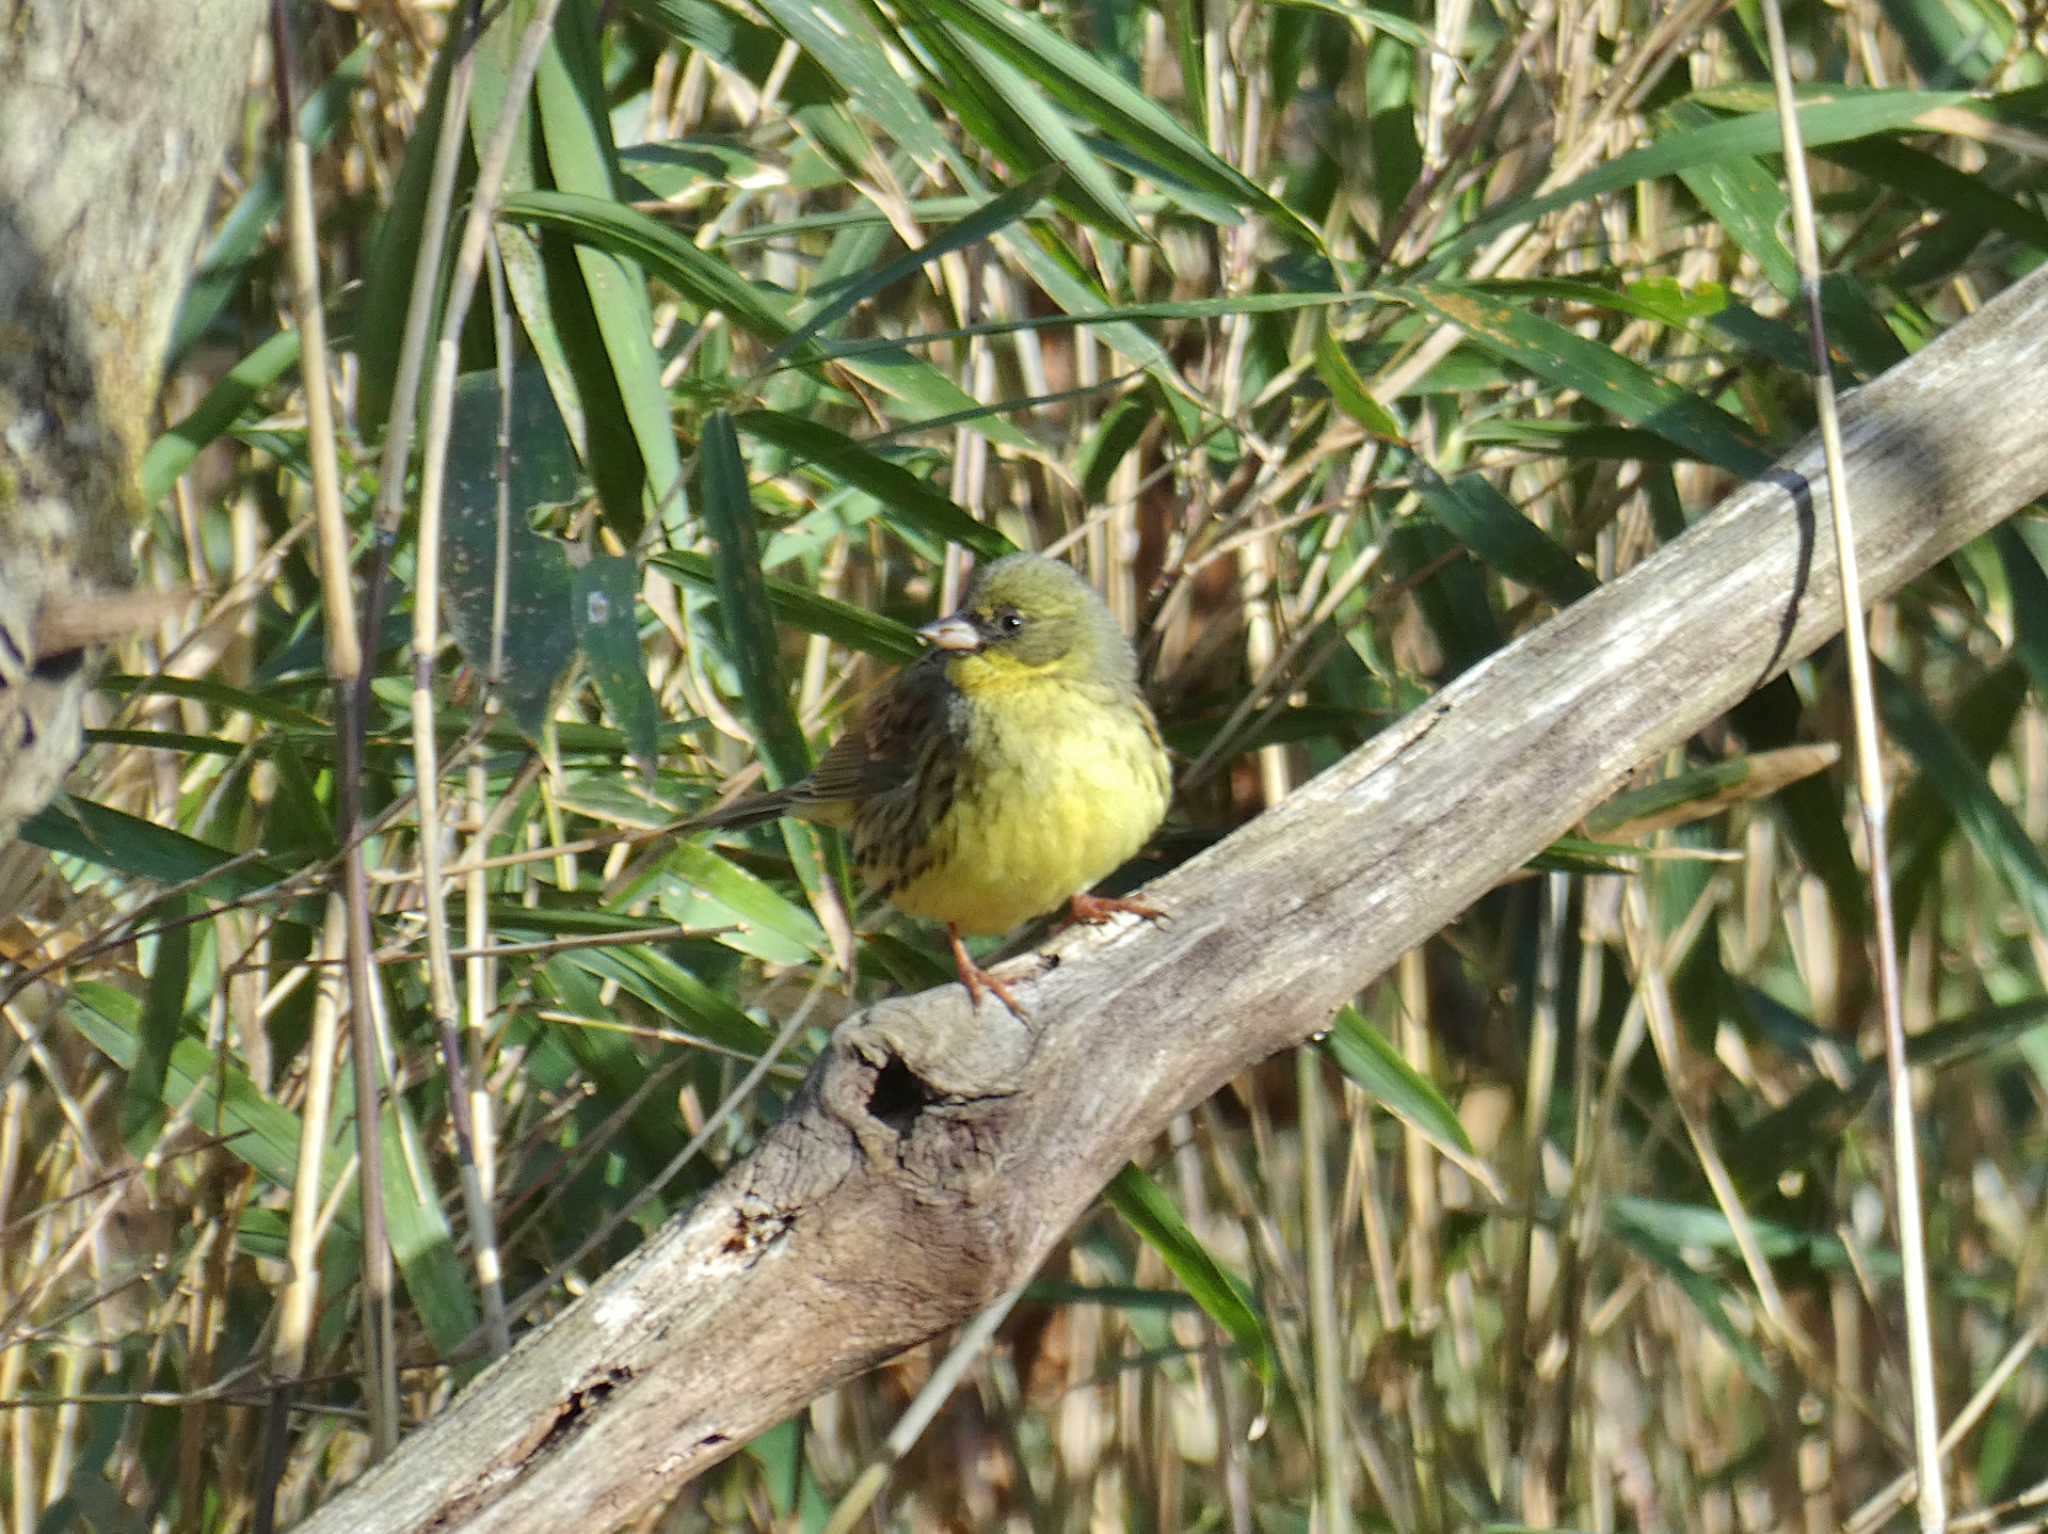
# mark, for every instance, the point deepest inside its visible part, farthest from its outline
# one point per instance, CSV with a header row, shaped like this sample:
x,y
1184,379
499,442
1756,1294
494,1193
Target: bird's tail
x,y
747,810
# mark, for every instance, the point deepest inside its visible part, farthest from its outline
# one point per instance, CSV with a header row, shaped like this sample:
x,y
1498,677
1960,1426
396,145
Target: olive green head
x,y
1028,617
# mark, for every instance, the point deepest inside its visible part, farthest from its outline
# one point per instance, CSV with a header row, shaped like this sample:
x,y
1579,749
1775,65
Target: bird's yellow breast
x,y
1057,784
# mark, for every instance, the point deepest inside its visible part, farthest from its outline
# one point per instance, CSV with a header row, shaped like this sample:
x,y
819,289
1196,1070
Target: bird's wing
x,y
880,750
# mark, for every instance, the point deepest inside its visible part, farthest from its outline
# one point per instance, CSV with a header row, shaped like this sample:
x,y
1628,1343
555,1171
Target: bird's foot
x,y
978,980
1094,909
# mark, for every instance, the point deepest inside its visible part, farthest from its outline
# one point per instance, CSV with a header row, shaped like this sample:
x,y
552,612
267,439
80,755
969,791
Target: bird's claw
x,y
978,980
1095,909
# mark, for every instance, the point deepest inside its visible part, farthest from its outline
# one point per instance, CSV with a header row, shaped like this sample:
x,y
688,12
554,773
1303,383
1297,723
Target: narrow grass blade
x,y
904,498
1364,1054
1614,383
225,404
802,608
1224,1298
1955,769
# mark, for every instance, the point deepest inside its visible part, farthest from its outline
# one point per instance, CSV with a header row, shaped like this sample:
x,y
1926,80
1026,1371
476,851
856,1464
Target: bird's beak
x,y
955,633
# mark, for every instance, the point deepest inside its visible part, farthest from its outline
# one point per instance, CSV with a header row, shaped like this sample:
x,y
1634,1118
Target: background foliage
x,y
795,306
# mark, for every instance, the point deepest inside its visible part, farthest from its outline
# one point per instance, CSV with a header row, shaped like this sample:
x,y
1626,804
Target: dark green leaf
x,y
108,837
603,602
743,610
535,629
1482,519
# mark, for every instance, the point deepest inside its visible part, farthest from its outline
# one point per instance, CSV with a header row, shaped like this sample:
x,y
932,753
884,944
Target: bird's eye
x,y
1009,620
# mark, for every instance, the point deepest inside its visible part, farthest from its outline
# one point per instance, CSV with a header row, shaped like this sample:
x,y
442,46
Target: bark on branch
x,y
112,125
934,1157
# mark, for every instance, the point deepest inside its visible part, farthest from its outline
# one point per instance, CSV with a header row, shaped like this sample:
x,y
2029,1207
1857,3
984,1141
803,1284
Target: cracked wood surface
x,y
934,1157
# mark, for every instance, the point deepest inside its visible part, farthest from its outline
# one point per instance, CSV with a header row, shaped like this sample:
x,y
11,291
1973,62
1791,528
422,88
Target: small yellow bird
x,y
1007,770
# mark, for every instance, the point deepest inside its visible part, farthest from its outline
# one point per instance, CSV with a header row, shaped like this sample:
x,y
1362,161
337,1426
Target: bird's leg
x,y
1099,908
977,979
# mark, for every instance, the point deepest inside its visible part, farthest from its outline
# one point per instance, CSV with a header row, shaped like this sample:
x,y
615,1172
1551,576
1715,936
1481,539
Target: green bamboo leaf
x,y
768,925
682,171
1223,1296
708,281
1812,1121
300,825
609,1065
627,232
1960,1040
1114,436
752,51
1825,118
1958,44
2028,582
534,924
1557,437
167,740
1576,855
841,39
1351,393
225,404
1661,1233
1158,190
1093,310
905,499
1184,21
1699,792
214,1092
1366,16
422,1244
538,620
395,240
545,284
669,990
1747,199
163,1023
115,840
744,614
244,235
575,125
256,703
602,603
1362,1053
802,608
997,213
1607,379
999,109
1092,90
1954,766
1932,182
1450,592
1487,523
1809,810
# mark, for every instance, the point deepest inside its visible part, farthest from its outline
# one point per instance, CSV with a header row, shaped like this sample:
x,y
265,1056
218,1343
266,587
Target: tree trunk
x,y
115,114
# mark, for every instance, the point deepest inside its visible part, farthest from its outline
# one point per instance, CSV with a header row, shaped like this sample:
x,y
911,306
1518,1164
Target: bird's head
x,y
1027,618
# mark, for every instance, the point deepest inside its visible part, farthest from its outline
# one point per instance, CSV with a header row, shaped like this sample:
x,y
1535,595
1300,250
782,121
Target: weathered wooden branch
x,y
115,118
934,1157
